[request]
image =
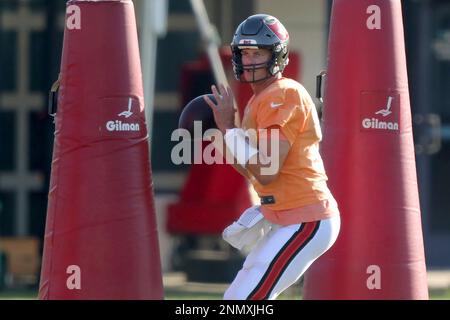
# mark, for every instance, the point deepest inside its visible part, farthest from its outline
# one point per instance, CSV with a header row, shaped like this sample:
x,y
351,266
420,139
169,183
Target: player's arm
x,y
224,116
265,163
261,161
218,142
265,166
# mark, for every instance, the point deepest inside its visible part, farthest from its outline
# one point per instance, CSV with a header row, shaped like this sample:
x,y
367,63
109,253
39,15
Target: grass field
x,y
190,295
178,287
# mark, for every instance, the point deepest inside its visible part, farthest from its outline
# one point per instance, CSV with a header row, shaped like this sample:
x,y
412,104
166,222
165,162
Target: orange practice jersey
x,y
302,180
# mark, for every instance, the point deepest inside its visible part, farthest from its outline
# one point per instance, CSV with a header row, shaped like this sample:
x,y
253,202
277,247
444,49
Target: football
x,y
197,110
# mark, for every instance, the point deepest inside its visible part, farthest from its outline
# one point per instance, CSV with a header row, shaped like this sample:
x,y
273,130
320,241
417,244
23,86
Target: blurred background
x,y
31,37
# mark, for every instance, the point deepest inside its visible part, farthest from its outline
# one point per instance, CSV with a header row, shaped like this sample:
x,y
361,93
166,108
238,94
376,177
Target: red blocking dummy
x,y
369,156
101,239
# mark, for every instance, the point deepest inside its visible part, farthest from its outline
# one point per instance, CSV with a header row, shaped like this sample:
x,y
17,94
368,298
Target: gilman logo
x,y
376,124
120,126
123,126
371,109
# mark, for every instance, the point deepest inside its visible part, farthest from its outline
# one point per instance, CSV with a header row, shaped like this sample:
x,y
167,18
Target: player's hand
x,y
224,110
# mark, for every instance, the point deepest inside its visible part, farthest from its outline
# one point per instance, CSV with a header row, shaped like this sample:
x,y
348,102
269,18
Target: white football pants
x,y
280,258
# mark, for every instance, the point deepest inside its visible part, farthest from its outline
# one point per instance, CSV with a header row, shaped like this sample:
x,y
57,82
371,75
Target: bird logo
x,y
387,111
127,113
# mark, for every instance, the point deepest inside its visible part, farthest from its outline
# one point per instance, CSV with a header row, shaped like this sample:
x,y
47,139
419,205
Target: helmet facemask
x,y
271,66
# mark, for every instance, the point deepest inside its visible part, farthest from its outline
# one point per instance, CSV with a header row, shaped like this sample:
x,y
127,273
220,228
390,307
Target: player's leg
x,y
281,258
322,240
257,262
250,273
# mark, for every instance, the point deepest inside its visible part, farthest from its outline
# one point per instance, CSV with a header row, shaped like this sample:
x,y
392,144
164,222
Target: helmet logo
x,y
279,30
247,41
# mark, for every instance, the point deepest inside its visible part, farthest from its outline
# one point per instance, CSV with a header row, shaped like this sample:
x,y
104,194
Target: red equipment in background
x,y
101,240
368,152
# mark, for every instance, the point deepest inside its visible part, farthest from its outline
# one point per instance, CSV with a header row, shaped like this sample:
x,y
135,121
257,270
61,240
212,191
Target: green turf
x,y
180,295
440,295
